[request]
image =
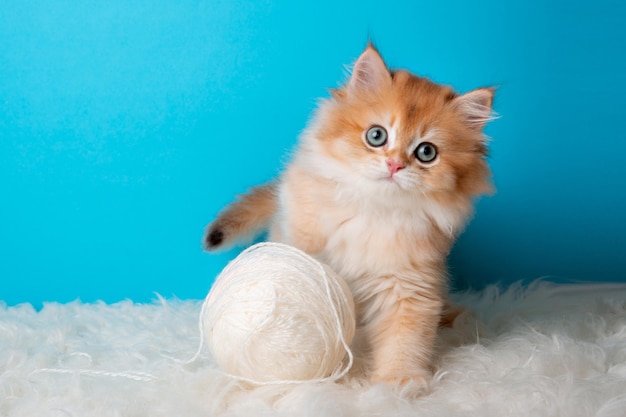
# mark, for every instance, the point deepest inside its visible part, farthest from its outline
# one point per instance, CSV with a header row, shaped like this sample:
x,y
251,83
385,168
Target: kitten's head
x,y
392,131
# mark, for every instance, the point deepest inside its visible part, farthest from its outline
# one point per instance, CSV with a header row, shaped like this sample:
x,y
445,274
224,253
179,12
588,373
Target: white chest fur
x,y
364,239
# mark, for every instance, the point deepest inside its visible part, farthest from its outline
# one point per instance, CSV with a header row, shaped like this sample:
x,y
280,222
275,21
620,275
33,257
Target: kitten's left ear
x,y
475,107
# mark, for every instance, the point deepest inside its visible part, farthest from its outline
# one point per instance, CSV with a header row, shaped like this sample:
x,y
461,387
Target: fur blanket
x,y
543,350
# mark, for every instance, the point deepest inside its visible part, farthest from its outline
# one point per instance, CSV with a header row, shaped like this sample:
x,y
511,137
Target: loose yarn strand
x,y
136,376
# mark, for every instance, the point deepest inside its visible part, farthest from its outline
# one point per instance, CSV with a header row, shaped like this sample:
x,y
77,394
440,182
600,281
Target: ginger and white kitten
x,y
379,187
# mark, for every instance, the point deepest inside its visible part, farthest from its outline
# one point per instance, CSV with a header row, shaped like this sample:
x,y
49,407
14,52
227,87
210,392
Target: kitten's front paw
x,y
411,385
401,379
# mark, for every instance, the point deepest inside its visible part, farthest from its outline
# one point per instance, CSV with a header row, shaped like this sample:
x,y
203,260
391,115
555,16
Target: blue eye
x,y
426,152
376,136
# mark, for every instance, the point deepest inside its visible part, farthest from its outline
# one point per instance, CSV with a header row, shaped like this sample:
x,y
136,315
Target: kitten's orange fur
x,y
386,230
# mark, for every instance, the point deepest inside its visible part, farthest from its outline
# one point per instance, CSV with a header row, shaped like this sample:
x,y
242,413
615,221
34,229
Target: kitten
x,y
379,187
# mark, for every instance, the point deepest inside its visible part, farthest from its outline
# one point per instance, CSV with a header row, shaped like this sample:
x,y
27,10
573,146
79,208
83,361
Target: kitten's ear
x,y
475,107
370,74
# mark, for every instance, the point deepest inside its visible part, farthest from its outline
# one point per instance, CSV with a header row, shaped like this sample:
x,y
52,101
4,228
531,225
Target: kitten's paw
x,y
407,385
401,379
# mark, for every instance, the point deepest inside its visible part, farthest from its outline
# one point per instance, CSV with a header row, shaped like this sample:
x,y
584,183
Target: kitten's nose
x,y
394,166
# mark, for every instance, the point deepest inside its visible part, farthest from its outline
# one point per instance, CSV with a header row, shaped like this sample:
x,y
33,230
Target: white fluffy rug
x,y
539,351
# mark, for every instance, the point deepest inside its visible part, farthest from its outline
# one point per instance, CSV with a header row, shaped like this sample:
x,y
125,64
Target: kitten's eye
x,y
426,152
376,136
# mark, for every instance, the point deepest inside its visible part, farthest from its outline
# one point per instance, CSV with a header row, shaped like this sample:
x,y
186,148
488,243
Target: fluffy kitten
x,y
379,187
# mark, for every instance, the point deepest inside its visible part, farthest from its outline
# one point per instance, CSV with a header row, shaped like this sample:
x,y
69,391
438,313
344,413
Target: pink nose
x,y
394,166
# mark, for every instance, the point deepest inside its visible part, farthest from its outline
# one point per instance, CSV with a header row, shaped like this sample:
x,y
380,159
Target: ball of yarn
x,y
276,315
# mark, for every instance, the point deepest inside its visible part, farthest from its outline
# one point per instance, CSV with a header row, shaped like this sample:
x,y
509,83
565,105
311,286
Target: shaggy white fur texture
x,y
539,351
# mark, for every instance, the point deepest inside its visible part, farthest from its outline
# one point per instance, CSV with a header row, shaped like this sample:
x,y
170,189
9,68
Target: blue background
x,y
126,125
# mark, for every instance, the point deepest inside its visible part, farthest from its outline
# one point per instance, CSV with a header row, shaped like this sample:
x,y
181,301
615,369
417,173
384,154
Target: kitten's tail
x,y
244,218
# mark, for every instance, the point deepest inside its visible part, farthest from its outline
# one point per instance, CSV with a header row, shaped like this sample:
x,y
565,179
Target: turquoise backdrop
x,y
126,125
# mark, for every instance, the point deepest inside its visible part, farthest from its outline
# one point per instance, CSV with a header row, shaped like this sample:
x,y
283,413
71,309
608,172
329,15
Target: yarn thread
x,y
135,376
270,264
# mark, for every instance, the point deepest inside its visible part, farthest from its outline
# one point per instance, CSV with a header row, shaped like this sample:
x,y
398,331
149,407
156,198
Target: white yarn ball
x,y
276,315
